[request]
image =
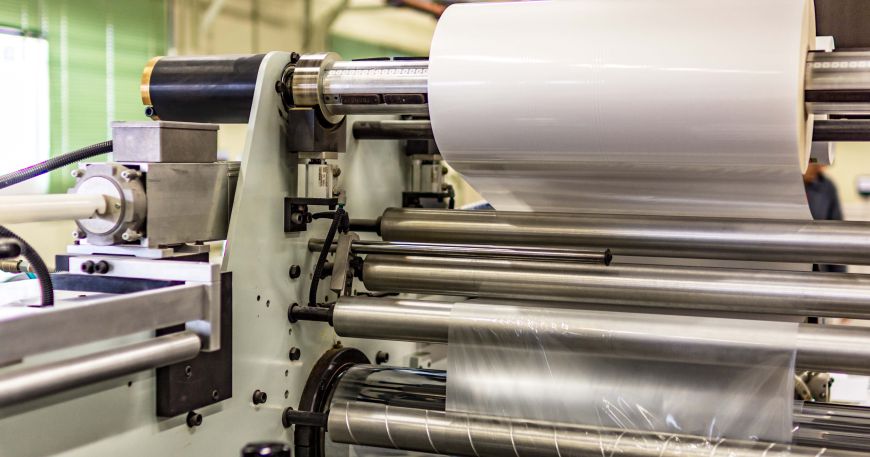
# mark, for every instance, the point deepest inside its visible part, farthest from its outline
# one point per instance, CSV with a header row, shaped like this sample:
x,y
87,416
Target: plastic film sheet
x,y
711,377
672,107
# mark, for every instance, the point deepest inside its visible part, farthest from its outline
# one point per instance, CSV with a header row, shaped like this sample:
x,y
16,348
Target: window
x,y
24,115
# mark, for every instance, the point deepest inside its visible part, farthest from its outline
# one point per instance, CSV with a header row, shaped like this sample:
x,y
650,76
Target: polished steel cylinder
x,y
470,435
818,348
34,382
835,242
601,256
376,87
838,82
666,287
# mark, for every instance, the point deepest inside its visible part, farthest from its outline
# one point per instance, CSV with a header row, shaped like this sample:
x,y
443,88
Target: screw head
x,y
215,395
88,267
382,357
101,267
78,234
77,173
259,397
295,353
194,419
188,371
295,271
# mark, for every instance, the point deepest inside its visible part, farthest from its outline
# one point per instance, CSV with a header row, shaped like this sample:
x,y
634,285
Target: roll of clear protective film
x,y
673,107
710,377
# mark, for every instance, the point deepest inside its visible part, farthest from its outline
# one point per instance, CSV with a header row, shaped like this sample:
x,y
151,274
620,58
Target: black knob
x,y
88,267
273,449
295,271
102,267
382,357
259,397
295,353
194,419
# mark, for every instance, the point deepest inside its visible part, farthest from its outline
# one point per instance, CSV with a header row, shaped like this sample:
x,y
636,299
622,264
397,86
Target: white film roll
x,y
676,107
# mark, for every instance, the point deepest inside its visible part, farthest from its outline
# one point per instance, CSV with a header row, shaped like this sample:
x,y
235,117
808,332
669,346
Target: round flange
x,y
308,82
310,441
125,202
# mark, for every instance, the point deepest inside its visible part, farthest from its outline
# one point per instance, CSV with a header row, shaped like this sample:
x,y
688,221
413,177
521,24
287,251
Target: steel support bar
x,y
834,242
463,434
842,130
687,288
600,256
28,331
393,130
818,348
34,382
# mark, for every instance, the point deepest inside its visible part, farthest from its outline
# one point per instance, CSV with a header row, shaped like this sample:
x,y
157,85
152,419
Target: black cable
x,y
36,263
54,163
323,215
340,222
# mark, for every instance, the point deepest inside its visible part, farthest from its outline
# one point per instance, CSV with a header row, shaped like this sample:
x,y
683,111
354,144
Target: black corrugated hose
x,y
42,274
54,163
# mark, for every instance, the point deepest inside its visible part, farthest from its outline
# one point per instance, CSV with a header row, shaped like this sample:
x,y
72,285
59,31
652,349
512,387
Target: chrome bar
x,y
601,256
376,87
834,242
665,287
470,435
34,382
27,331
818,347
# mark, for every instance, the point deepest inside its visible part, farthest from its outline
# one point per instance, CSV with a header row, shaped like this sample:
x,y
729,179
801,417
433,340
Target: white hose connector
x,y
50,207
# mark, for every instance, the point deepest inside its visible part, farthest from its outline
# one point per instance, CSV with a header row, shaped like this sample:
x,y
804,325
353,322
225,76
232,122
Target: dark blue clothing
x,y
824,205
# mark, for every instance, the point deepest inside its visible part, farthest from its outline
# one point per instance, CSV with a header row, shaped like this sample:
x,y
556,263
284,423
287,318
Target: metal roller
x,y
818,348
470,435
35,382
667,287
835,242
216,89
600,256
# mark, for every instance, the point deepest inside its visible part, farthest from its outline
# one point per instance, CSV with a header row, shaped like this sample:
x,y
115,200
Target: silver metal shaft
x,y
600,256
688,288
470,435
818,348
34,382
835,242
377,87
838,82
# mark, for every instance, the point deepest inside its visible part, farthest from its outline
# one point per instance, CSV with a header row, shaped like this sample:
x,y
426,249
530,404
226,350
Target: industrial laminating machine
x,y
139,345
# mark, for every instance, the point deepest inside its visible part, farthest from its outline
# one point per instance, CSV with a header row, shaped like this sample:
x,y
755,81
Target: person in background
x,y
824,204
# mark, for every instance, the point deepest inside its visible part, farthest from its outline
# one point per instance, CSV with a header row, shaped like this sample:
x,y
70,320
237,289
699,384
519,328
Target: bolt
x,y
294,57
295,353
188,371
129,175
295,271
78,234
259,397
194,419
131,235
215,395
382,357
102,267
77,173
88,267
336,172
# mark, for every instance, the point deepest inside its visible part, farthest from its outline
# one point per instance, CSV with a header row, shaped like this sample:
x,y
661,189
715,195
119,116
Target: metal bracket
x,y
205,380
296,214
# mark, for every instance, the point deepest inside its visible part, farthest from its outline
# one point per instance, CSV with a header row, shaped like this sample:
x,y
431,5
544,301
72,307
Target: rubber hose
x,y
340,214
54,163
36,263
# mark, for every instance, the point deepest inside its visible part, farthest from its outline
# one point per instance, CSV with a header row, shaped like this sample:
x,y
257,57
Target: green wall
x,y
97,49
